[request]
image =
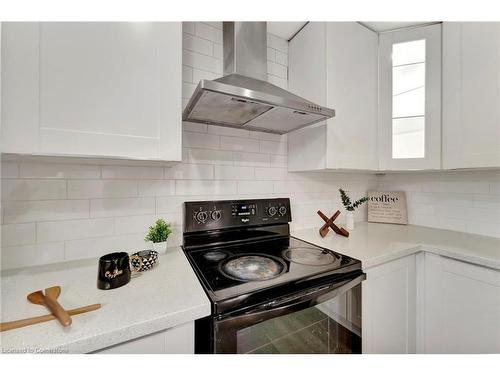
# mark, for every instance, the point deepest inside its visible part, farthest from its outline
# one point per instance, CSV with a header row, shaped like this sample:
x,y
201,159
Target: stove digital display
x,y
247,209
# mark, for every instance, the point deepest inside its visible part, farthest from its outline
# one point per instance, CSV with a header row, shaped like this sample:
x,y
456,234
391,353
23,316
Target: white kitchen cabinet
x,y
92,89
471,94
389,310
410,99
176,340
461,308
335,64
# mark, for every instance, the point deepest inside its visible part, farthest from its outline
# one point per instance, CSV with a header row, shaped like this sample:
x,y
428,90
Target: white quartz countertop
x,y
374,243
166,296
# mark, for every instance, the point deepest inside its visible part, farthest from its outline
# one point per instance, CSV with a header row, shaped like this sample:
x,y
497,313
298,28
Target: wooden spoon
x,y
45,318
49,300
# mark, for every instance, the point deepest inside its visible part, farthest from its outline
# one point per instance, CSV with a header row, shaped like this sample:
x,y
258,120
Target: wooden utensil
x,y
326,227
336,229
45,318
49,300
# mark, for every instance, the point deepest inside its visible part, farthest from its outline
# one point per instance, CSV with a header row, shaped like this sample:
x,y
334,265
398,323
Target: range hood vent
x,y
243,98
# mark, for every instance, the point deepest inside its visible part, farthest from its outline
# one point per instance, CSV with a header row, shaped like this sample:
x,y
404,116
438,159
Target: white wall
x,y
53,212
466,201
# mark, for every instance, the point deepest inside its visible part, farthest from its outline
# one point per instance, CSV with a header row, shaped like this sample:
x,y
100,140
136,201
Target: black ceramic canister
x,y
115,270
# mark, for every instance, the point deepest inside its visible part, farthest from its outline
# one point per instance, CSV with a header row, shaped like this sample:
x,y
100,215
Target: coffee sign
x,y
387,207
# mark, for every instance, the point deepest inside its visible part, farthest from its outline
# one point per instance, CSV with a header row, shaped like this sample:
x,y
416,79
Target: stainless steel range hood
x,y
243,98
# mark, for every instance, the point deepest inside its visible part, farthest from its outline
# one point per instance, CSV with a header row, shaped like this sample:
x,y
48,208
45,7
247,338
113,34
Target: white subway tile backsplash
x,y
32,255
18,234
188,89
140,224
218,51
54,231
58,170
239,144
253,187
271,54
203,74
122,206
188,27
196,44
204,156
281,58
209,32
190,172
271,147
206,187
187,74
17,189
33,211
276,69
279,161
251,159
278,81
198,140
194,127
156,188
121,172
10,170
234,132
276,174
83,189
96,247
278,43
202,62
227,172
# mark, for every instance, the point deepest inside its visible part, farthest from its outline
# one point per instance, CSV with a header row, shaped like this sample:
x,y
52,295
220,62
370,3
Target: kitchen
x,y
108,127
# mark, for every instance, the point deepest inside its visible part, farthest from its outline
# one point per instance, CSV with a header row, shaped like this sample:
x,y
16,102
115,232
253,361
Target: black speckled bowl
x,y
148,257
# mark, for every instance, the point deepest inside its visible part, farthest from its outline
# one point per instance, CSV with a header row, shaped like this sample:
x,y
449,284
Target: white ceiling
x,y
287,30
386,26
284,30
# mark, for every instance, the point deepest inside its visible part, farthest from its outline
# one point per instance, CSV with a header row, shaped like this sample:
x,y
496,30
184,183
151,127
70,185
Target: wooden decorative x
x,y
323,231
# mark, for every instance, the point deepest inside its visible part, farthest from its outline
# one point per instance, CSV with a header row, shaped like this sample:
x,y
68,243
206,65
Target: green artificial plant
x,y
346,201
158,232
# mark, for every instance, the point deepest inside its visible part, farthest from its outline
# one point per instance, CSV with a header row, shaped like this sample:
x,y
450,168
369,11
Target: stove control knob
x,y
271,211
216,215
201,217
282,210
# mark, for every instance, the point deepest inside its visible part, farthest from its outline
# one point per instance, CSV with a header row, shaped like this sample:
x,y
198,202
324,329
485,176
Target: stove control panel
x,y
210,215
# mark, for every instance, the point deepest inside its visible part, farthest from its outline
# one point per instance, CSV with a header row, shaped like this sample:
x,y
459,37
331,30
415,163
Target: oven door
x,y
326,319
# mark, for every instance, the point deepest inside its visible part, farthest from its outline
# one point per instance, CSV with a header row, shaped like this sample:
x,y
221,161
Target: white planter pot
x,y
160,247
349,220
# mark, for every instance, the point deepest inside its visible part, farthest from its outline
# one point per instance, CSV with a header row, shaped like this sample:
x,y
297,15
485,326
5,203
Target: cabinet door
x,y
307,78
410,99
176,340
94,89
389,311
352,75
471,94
335,64
462,307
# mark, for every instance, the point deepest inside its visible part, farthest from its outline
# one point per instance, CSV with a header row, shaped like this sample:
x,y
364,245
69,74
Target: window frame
x,y
432,158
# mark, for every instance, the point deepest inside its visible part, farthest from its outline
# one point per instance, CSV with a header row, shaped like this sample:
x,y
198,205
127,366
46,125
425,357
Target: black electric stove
x,y
244,255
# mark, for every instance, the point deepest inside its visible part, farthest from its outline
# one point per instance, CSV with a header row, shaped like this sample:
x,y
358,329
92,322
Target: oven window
x,y
330,327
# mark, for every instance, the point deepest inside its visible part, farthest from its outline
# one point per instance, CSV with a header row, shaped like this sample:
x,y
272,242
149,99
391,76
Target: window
x,y
408,100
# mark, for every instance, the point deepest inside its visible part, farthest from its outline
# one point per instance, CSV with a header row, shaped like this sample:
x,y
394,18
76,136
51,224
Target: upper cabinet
x,y
104,89
335,64
471,94
410,99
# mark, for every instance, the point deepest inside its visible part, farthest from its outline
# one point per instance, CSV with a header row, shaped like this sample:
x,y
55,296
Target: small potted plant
x,y
350,207
158,234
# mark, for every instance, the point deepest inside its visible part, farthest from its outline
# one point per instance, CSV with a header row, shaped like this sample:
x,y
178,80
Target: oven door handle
x,y
291,304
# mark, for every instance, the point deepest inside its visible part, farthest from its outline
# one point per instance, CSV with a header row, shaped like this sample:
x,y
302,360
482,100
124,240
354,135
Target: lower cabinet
x,y
426,303
388,305
176,340
461,308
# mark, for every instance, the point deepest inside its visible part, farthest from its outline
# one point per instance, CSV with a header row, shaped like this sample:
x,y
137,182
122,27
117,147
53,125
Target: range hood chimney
x,y
243,98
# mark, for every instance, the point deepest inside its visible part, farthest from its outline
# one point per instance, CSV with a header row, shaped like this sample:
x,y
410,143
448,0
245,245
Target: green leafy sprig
x,y
346,201
158,232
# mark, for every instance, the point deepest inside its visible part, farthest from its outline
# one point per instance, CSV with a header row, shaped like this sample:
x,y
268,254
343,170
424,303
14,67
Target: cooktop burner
x,y
253,267
310,256
215,255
